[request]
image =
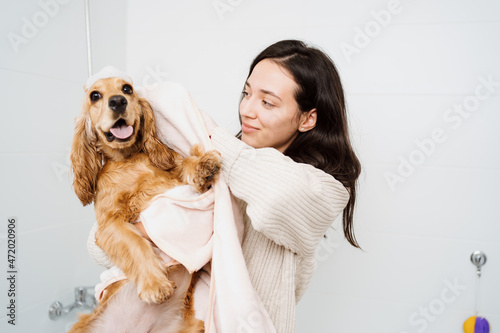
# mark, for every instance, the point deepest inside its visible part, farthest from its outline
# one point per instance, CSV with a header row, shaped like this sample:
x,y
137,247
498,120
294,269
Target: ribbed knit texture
x,y
287,209
96,253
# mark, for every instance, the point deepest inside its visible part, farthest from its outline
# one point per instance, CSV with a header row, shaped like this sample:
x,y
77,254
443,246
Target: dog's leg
x,y
196,326
135,256
192,324
188,312
201,169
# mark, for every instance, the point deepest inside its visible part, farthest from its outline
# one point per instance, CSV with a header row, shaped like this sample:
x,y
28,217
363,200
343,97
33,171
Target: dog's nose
x,y
117,103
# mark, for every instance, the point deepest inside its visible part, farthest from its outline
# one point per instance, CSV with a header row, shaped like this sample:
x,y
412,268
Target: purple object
x,y
481,326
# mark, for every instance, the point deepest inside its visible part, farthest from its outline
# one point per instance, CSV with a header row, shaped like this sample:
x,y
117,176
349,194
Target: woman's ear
x,y
162,156
308,120
86,161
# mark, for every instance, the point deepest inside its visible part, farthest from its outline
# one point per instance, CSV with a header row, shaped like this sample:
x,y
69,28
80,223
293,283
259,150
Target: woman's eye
x,y
94,96
245,93
127,89
266,103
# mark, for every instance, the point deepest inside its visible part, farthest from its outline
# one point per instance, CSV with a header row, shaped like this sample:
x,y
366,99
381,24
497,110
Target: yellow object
x,y
469,325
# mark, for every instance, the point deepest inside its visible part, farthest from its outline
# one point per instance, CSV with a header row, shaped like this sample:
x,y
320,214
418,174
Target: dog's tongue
x,y
122,131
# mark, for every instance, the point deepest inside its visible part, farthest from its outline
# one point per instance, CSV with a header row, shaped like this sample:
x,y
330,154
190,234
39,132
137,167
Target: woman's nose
x,y
247,109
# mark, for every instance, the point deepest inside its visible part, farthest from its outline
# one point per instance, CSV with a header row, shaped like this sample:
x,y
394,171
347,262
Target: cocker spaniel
x,y
120,164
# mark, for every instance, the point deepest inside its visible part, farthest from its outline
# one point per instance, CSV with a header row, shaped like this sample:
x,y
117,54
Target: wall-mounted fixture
x,y
477,324
83,300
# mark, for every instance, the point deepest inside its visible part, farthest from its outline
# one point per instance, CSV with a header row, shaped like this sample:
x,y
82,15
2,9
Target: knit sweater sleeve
x,y
291,203
96,253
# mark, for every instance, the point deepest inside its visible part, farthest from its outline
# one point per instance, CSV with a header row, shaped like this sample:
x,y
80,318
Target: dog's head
x,y
115,113
114,124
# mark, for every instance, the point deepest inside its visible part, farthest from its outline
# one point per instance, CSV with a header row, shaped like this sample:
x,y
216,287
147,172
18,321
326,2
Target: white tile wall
x,y
399,89
41,83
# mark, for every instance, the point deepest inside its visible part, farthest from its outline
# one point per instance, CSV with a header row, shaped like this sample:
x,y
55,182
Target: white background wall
x,y
41,80
403,83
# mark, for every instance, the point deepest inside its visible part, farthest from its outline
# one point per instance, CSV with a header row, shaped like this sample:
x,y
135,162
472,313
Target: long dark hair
x,y
327,145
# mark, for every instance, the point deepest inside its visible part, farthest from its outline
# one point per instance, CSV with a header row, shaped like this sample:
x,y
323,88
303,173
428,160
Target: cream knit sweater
x,y
287,209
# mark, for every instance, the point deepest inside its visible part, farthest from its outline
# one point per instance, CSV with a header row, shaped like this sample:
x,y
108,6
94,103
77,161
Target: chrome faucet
x,y
82,300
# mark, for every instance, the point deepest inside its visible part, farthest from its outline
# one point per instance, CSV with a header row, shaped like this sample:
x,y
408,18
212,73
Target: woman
x,y
292,168
292,102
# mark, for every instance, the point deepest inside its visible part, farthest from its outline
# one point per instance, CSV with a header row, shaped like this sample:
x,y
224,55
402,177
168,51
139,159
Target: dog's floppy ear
x,y
86,161
162,156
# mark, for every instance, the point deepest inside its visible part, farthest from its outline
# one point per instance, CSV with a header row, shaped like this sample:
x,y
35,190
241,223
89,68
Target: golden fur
x,y
121,176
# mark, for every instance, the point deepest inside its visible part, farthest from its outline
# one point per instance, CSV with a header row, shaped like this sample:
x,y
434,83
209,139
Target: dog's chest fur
x,y
133,181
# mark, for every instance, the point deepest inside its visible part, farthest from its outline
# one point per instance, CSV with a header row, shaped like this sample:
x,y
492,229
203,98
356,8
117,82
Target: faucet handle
x,y
57,310
478,259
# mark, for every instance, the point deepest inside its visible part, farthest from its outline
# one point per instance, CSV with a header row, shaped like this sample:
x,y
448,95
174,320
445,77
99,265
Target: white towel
x,y
106,72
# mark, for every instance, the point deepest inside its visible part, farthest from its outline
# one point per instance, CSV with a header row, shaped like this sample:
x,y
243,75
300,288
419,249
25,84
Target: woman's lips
x,y
245,128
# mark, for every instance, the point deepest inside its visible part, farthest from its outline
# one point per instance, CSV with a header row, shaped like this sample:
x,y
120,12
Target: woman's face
x,y
269,113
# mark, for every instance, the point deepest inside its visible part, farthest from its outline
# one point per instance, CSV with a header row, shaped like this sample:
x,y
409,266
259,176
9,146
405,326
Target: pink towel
x,y
233,304
180,222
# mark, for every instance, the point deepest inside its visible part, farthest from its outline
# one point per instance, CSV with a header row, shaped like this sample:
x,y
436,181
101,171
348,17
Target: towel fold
x,y
180,223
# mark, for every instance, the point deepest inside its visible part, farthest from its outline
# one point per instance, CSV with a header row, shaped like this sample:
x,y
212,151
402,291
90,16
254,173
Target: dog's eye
x,y
94,96
127,89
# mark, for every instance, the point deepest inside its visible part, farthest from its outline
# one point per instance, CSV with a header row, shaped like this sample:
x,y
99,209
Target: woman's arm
x,y
291,203
96,253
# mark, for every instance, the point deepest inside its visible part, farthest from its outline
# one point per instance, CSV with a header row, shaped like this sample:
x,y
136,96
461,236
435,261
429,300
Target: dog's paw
x,y
155,290
202,169
208,170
